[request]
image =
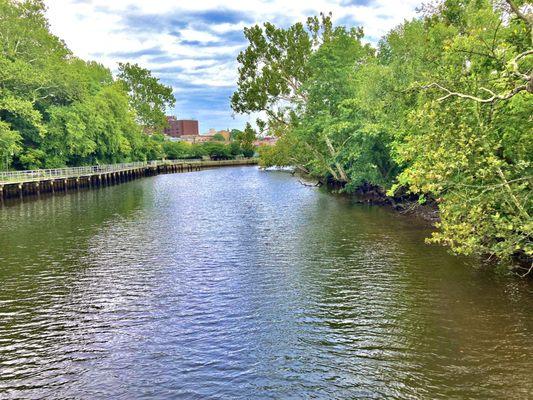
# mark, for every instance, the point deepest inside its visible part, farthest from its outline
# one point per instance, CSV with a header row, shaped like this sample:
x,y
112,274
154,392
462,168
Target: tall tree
x,y
442,110
246,140
58,110
148,96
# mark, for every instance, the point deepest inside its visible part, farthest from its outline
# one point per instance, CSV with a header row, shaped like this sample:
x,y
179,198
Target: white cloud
x,y
193,35
195,42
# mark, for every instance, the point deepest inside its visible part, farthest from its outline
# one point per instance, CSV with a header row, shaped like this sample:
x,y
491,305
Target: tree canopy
x,y
441,108
148,97
58,110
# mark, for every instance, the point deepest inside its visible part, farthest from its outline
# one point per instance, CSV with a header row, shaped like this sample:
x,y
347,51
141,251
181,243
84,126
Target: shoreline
x,y
50,182
427,213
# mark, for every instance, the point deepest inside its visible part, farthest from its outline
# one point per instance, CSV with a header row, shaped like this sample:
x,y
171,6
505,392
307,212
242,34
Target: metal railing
x,y
7,177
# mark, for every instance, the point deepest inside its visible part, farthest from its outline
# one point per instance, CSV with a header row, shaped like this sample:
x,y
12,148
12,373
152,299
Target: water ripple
x,y
236,283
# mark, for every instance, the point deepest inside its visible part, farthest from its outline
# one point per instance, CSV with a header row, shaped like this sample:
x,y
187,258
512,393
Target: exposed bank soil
x,y
403,203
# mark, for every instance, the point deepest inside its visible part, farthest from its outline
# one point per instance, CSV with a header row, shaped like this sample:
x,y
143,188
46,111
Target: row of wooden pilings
x,y
63,185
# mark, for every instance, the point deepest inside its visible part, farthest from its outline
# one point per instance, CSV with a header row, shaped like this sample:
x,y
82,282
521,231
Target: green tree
x,y
234,133
235,149
473,122
177,150
246,139
58,110
442,109
216,150
148,97
9,144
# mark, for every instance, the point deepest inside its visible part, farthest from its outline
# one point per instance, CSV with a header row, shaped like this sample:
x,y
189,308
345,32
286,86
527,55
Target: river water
x,y
238,283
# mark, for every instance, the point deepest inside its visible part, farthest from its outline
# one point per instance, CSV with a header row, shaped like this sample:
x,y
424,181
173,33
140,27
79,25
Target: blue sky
x,y
192,45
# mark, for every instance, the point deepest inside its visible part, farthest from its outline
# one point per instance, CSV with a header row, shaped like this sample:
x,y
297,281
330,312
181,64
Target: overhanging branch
x,y
491,99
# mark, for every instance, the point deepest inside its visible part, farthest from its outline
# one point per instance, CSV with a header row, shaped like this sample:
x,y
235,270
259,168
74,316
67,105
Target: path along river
x,y
238,283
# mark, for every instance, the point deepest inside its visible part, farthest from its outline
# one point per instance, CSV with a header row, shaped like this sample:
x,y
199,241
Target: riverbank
x,y
403,202
427,213
20,184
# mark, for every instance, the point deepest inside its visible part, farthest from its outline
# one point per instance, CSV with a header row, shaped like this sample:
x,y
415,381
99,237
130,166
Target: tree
x,y
216,150
246,139
272,69
58,110
441,110
299,77
148,97
9,144
177,150
235,149
476,130
234,133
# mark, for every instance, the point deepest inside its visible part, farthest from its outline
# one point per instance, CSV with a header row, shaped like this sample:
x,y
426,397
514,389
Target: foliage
x,y
214,149
177,150
58,110
9,143
233,133
246,139
148,97
217,150
442,108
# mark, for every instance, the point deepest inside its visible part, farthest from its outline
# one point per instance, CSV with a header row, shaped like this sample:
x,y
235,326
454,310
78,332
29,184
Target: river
x,y
239,283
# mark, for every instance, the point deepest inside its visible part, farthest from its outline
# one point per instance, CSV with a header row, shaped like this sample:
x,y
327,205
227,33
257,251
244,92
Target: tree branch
x,y
511,194
527,18
491,99
333,153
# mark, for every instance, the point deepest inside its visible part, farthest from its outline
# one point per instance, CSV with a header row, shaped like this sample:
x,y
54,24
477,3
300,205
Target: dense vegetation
x,y
216,149
57,110
441,109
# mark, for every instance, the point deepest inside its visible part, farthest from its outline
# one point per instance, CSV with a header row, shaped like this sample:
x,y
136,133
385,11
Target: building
x,y
225,134
206,137
181,127
212,132
266,141
195,138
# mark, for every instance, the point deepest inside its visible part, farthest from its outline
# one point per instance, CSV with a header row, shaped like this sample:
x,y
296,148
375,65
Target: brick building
x,y
180,127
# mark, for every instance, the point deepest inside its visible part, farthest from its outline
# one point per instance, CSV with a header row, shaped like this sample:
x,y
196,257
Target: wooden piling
x,y
97,177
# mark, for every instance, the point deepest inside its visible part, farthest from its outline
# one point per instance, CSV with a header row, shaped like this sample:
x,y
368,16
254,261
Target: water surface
x,y
237,283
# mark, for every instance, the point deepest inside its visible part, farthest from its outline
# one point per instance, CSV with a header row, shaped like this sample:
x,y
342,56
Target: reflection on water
x,y
237,283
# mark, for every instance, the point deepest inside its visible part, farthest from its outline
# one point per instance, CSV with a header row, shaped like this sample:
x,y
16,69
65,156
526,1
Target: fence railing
x,y
7,177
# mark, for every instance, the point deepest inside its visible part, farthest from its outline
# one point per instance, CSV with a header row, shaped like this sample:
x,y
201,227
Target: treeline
x,y
441,109
57,110
239,146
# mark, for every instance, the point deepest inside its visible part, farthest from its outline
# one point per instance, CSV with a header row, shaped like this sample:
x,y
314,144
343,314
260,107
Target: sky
x,y
192,45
